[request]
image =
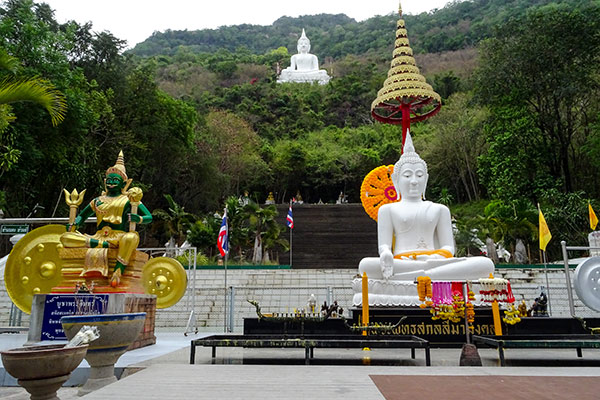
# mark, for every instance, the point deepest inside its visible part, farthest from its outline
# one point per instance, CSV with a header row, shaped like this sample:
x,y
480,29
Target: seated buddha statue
x,y
415,238
117,211
304,67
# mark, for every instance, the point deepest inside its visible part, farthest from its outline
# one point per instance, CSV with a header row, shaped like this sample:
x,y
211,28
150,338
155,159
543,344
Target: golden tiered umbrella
x,y
405,95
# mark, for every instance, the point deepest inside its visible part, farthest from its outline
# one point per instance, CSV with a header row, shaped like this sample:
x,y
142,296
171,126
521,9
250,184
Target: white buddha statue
x,y
304,67
415,239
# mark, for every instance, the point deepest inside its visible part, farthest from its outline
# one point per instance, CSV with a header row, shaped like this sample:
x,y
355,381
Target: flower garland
x,y
424,291
446,300
378,189
496,289
512,315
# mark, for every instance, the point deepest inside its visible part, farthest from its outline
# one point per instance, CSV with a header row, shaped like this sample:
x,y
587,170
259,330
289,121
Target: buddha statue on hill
x,y
304,67
415,239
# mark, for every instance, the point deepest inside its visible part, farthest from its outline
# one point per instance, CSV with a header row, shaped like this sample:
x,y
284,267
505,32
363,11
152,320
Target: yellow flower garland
x,y
377,189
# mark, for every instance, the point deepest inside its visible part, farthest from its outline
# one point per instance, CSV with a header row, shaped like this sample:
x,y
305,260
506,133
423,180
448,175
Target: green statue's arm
x,y
82,217
143,216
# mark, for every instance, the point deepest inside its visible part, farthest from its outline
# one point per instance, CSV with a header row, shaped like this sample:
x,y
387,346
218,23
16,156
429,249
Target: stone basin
x,y
39,362
117,333
42,370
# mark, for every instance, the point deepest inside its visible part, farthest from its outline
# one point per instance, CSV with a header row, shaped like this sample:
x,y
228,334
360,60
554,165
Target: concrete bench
x,y
309,343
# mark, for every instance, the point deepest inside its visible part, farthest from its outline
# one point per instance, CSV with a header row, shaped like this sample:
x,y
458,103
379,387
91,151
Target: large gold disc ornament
x,y
164,277
378,189
34,266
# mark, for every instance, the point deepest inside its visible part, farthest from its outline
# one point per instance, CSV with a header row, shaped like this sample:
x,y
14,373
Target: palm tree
x,y
174,221
15,89
265,228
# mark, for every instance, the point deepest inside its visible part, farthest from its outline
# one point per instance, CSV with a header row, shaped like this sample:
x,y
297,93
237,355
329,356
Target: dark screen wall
x,y
329,236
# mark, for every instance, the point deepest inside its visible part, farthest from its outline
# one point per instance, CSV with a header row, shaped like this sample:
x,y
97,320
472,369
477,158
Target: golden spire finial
x,y
400,7
404,85
119,167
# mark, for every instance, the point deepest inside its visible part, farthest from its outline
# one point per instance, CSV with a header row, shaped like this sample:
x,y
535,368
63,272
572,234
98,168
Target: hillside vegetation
x,y
200,117
459,25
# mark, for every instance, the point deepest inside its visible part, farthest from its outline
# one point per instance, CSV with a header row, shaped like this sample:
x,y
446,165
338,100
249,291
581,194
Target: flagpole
x,y
225,245
547,283
544,257
290,224
225,311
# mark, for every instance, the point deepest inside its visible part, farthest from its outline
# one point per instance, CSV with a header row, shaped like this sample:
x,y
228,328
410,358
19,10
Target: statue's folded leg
x,y
370,266
128,242
127,245
469,268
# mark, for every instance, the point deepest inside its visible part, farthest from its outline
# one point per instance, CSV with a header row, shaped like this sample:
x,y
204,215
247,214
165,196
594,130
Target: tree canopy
x,y
201,119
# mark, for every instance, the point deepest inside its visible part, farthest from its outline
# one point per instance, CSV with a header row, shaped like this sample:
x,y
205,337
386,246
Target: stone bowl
x,y
117,333
42,362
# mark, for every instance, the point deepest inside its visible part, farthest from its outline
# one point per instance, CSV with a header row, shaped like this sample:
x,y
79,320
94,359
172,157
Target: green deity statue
x,y
118,209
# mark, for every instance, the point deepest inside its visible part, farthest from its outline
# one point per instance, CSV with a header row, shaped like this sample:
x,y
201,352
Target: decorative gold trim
x,y
402,41
425,88
404,77
404,93
404,68
402,51
403,60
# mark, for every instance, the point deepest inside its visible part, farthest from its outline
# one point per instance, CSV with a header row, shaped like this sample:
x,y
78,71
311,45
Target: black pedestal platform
x,y
418,322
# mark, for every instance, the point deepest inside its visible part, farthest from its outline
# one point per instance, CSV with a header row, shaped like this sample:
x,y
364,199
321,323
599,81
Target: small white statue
x,y
304,67
311,304
415,239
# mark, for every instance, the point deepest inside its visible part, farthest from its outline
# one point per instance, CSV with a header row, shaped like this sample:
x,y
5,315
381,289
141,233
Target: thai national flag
x,y
223,238
290,219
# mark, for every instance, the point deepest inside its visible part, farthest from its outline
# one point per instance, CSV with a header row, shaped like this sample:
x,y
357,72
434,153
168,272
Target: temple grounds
x,y
163,371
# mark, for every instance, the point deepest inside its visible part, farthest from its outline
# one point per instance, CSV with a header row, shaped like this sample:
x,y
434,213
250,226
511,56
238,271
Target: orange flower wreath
x,y
377,189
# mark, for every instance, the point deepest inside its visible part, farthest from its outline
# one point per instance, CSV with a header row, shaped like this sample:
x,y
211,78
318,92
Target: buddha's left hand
x,y
135,218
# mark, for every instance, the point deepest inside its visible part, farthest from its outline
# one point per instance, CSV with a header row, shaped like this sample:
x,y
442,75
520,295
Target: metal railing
x,y
219,309
565,250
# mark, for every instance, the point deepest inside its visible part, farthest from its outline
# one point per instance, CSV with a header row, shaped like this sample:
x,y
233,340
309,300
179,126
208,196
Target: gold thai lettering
x,y
455,329
446,327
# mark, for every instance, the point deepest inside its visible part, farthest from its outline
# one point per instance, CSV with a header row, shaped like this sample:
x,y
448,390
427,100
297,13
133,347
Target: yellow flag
x,y
593,218
545,234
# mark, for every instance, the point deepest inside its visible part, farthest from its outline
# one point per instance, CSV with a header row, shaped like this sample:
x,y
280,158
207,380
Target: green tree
x,y
451,143
547,63
175,221
516,161
50,157
235,147
265,229
16,89
203,234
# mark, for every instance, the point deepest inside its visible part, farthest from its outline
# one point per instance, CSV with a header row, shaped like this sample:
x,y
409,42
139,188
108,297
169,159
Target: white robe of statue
x,y
414,239
304,67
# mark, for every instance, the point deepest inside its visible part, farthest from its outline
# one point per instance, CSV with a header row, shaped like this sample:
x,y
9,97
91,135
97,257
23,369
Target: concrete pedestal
x,y
47,309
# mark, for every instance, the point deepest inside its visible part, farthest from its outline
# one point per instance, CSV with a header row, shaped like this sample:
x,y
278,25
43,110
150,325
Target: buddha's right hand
x,y
386,260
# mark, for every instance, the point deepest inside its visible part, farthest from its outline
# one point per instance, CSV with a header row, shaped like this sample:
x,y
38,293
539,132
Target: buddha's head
x,y
303,43
116,177
410,173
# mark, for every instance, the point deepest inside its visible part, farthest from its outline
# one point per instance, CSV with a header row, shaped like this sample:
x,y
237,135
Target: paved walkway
x,y
341,374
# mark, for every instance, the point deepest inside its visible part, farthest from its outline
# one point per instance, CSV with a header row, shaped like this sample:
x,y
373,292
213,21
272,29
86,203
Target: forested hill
x,y
458,25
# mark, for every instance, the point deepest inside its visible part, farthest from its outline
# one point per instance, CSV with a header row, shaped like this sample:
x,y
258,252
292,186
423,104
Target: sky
x,y
136,20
